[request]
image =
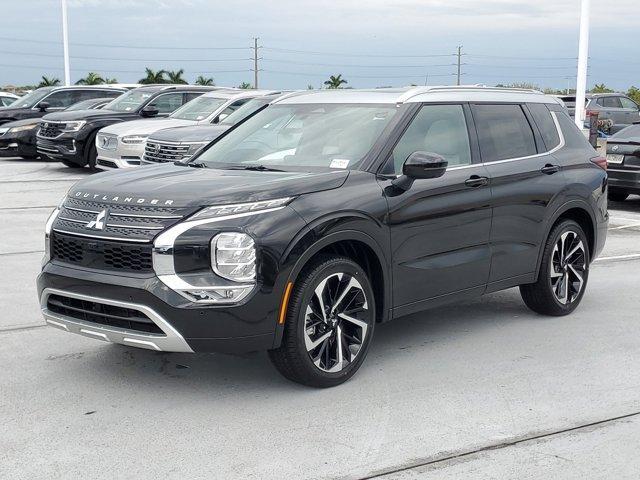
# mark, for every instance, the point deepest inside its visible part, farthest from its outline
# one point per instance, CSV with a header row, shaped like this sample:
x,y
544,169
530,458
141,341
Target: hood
x,y
19,123
181,186
199,133
145,126
87,115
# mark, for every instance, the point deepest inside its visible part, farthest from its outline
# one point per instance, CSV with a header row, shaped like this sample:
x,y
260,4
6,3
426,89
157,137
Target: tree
x,y
92,78
634,94
601,88
310,87
110,80
175,76
245,86
335,81
153,77
204,80
49,82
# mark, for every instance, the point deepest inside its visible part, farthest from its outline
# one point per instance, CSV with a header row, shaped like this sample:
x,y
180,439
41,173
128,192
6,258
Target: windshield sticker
x,y
339,163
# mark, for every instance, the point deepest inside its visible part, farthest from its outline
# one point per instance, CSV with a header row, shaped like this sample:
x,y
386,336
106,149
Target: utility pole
x,y
583,56
459,63
65,43
255,62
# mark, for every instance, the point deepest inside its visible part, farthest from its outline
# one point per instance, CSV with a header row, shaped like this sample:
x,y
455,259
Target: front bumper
x,y
186,327
60,149
18,144
124,156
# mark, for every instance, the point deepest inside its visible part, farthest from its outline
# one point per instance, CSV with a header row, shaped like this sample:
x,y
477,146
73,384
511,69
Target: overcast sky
x,y
371,42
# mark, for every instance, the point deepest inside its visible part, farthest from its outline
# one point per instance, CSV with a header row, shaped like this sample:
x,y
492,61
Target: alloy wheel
x,y
568,264
336,322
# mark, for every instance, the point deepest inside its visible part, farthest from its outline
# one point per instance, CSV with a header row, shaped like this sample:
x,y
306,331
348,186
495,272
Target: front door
x,y
439,228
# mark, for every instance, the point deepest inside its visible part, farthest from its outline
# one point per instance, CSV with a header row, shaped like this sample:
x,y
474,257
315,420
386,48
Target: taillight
x,y
600,161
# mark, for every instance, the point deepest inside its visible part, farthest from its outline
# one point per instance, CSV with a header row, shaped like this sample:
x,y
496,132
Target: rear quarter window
x,y
573,137
542,116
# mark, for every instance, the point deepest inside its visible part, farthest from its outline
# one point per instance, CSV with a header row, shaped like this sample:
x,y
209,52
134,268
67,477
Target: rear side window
x,y
503,132
546,125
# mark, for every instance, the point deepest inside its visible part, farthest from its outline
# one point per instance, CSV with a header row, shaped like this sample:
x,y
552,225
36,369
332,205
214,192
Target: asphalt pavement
x,y
482,389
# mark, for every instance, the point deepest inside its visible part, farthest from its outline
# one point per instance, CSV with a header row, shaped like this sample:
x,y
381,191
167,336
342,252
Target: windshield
x,y
198,108
244,111
308,135
130,101
31,99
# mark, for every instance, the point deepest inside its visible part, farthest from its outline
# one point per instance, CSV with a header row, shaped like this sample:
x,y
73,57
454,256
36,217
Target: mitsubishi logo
x,y
98,223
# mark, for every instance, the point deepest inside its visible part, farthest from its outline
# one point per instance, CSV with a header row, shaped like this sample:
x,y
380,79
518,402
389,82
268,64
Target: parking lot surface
x,y
482,389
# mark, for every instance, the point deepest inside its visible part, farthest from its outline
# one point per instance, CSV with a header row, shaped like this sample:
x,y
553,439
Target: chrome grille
x,y
161,152
50,129
125,223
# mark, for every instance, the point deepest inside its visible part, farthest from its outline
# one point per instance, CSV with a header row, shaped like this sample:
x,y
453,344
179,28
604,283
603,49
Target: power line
x,y
309,74
342,54
137,47
114,71
92,57
356,65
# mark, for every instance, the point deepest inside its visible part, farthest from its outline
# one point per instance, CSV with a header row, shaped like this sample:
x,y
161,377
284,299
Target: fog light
x,y
233,256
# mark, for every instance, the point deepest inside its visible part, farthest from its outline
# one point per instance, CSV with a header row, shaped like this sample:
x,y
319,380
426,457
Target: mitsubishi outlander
x,y
300,229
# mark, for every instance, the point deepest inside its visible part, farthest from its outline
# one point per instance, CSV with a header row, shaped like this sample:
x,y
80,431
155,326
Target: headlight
x,y
106,142
134,139
233,256
193,148
22,128
73,126
239,208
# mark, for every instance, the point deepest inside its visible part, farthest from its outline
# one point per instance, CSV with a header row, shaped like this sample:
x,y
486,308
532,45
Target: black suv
x,y
51,99
70,136
300,229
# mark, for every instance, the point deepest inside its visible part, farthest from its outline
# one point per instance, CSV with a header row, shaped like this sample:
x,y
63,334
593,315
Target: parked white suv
x,y
122,145
7,99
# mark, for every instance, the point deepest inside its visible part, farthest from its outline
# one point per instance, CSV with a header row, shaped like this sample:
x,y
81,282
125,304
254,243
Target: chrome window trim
x,y
172,341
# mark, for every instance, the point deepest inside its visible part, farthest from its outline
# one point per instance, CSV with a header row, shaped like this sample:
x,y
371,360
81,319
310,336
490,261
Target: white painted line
x,y
618,257
626,226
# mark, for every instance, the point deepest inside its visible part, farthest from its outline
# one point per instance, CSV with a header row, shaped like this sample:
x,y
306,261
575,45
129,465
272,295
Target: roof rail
x,y
452,88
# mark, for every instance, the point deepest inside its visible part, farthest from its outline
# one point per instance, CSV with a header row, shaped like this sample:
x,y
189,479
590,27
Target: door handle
x,y
476,181
549,169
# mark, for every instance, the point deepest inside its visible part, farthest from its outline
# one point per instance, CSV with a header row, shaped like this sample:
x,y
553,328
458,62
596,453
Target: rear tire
x,y
563,274
329,324
92,157
617,196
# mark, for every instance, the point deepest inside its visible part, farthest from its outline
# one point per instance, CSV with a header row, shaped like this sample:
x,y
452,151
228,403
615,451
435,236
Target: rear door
x,y
439,228
632,112
525,178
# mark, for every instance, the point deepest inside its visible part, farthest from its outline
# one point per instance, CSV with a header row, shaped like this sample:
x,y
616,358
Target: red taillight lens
x,y
600,161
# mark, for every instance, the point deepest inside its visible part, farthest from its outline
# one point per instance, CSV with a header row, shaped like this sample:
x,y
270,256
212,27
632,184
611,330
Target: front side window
x,y
610,102
63,98
439,129
542,116
628,103
503,132
198,109
32,99
130,101
335,136
168,102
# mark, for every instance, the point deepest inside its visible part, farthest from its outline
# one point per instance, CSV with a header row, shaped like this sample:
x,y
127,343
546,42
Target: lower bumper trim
x,y
170,341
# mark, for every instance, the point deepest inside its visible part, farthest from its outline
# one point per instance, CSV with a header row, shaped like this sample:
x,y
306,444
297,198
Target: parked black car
x,y
328,212
623,159
18,139
70,136
181,143
51,99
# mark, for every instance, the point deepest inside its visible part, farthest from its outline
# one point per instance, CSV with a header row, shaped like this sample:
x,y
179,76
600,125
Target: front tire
x,y
563,274
617,196
329,324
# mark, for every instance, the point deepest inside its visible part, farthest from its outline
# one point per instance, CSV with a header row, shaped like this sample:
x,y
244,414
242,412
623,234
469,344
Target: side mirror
x,y
420,165
42,106
149,111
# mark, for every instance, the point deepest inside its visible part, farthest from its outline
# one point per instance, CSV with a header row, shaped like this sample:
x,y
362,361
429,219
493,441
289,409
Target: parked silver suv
x,y
619,109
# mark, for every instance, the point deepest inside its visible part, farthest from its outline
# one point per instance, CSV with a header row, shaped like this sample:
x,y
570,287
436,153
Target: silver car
x,y
617,108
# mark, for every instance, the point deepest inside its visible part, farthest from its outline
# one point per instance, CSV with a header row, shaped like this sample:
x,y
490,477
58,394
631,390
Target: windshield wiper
x,y
190,164
256,168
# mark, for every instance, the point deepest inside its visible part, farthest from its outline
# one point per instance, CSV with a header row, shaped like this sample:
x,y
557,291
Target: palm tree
x,y
153,77
335,81
175,76
49,82
204,80
110,80
92,78
245,86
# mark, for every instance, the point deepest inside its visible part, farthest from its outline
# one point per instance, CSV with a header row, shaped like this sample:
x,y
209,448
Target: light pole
x,y
583,58
65,43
